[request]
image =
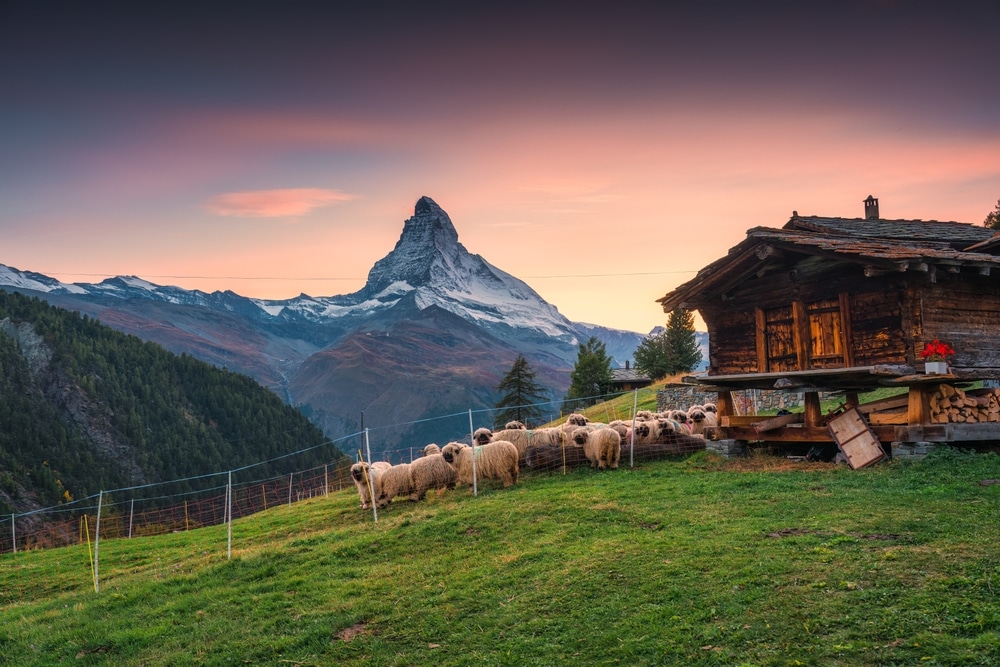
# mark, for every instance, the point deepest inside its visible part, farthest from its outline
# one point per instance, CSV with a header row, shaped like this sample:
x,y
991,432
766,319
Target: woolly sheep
x,y
396,481
482,436
699,420
711,407
513,425
554,457
431,449
381,466
602,446
363,474
430,471
496,460
643,415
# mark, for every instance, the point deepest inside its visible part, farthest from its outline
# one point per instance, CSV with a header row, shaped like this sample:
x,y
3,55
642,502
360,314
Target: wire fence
x,y
229,495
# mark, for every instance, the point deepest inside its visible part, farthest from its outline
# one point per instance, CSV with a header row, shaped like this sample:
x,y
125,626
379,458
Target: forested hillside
x,y
85,408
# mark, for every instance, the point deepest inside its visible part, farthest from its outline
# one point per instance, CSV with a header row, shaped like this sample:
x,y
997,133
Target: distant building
x,y
627,379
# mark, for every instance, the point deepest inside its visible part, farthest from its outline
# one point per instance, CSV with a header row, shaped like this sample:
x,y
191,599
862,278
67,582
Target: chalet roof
x,y
878,246
620,375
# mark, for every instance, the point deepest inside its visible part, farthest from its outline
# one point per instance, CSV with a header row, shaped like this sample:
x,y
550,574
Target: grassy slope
x,y
699,562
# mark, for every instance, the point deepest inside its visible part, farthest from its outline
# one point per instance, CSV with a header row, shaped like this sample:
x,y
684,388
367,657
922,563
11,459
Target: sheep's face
x,y
515,426
358,471
580,436
642,429
483,436
696,415
450,451
576,420
680,416
666,426
710,407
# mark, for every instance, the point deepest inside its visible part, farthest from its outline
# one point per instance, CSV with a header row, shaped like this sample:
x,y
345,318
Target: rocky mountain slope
x,y
434,329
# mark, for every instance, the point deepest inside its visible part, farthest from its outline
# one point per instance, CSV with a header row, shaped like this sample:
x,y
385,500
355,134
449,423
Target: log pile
x,y
951,404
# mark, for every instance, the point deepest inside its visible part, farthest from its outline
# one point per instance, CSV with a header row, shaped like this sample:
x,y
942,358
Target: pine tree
x,y
681,342
652,357
993,217
592,374
521,395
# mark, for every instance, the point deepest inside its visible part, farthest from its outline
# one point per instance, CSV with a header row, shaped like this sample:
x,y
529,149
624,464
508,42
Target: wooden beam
x,y
762,365
777,422
884,404
813,416
800,333
725,404
846,330
918,410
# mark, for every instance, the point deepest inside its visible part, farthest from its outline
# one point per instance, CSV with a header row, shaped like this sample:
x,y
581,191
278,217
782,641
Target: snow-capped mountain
x,y
428,306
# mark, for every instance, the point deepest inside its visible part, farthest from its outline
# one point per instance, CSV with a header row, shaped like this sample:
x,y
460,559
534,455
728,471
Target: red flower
x,y
936,351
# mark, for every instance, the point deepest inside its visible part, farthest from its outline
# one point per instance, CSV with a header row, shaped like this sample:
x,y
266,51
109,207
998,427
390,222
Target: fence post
x,y
229,514
97,545
472,438
131,513
371,490
326,480
290,475
631,449
13,534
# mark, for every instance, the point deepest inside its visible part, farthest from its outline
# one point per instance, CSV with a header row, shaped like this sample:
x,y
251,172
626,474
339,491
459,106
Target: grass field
x,y
702,561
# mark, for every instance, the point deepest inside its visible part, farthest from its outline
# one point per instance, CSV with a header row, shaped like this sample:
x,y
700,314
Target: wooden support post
x,y
812,417
725,404
917,408
851,399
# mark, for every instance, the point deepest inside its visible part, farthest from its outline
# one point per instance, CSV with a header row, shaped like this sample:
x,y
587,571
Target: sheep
x,y
430,471
602,446
711,407
431,449
514,425
554,457
381,466
643,415
396,481
364,474
497,460
700,419
620,426
482,436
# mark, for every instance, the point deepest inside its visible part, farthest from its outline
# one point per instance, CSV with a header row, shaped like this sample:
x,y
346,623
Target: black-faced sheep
x,y
482,436
699,420
602,446
430,472
366,478
496,460
509,426
396,481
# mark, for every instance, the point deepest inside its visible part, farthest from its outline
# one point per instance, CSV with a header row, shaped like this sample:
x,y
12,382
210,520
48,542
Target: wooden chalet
x,y
846,305
627,379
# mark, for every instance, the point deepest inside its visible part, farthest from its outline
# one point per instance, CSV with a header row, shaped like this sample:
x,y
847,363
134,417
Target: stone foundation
x,y
913,450
728,448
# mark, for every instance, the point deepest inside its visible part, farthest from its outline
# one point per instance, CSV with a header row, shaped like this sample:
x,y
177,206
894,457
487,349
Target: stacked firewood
x,y
951,404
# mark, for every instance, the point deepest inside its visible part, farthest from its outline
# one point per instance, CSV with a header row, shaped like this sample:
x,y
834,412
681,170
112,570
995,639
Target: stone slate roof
x,y
880,246
622,375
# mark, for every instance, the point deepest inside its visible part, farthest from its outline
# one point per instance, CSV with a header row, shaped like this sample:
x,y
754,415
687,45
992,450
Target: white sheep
x,y
513,425
699,419
496,460
396,481
365,475
601,446
430,472
431,449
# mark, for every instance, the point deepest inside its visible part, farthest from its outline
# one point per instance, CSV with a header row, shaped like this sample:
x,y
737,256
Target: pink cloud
x,y
285,203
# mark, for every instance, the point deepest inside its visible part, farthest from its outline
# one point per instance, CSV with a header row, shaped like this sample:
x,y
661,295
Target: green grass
x,y
694,562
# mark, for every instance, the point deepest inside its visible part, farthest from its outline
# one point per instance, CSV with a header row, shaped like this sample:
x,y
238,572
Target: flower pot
x,y
936,368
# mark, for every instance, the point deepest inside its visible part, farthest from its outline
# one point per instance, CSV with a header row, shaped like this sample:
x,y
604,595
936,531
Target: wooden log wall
x,y
964,311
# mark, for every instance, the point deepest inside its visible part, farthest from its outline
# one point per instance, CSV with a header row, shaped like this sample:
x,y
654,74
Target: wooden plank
x,y
884,404
777,422
856,440
796,434
738,420
887,418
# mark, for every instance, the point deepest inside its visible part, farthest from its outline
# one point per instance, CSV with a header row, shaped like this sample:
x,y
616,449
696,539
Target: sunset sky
x,y
603,153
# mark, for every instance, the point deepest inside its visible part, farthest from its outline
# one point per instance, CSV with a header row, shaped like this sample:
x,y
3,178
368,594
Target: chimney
x,y
871,208
626,364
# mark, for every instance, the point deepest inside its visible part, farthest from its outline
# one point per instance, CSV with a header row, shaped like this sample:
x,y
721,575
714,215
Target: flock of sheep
x,y
501,454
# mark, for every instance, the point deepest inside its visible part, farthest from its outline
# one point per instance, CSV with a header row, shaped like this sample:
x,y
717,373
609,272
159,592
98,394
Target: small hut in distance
x,y
848,304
